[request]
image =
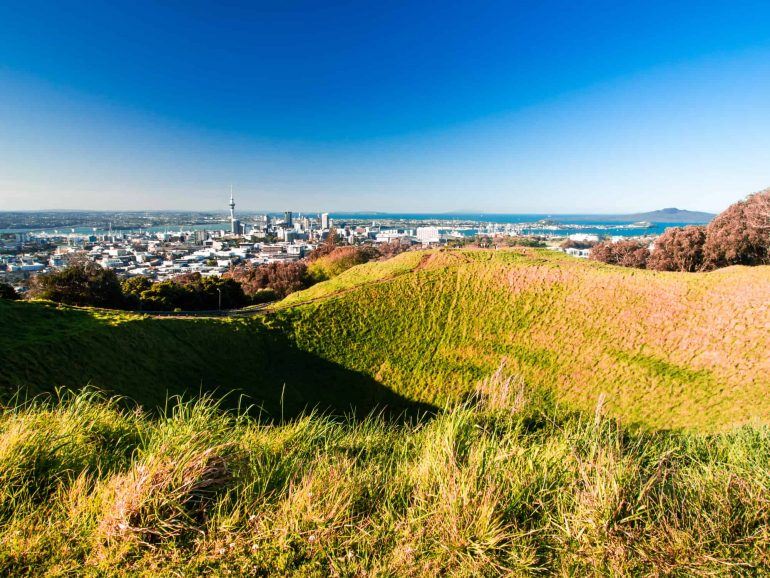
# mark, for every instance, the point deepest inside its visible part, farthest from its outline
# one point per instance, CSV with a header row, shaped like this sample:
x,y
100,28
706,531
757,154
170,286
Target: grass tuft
x,y
481,489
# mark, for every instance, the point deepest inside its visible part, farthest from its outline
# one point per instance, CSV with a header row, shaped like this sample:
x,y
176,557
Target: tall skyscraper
x,y
287,218
234,224
324,220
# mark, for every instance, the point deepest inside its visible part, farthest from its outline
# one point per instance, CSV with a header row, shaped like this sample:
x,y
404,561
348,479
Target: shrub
x,y
536,242
679,249
572,244
282,277
8,292
188,292
86,284
625,253
740,235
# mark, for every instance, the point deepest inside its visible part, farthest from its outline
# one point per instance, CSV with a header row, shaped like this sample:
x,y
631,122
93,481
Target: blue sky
x,y
556,107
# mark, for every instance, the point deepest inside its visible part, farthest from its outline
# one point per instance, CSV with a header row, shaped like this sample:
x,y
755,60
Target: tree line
x,y
85,283
740,235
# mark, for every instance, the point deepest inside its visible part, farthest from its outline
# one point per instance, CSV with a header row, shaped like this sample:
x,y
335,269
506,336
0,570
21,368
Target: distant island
x,y
669,215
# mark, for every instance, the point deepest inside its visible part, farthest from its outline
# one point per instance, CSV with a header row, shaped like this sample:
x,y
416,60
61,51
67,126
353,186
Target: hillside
x,y
672,215
661,349
513,481
668,215
507,485
148,359
667,350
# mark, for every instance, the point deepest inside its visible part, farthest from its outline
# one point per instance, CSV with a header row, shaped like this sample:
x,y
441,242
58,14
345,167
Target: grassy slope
x,y
43,346
510,483
508,486
668,350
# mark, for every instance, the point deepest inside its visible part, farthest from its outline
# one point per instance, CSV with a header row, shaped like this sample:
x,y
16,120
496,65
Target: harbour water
x,y
466,223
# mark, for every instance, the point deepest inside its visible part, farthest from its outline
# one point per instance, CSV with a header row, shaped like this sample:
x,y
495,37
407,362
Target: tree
x,y
679,249
573,244
759,213
193,291
132,288
392,248
282,277
523,242
8,292
165,296
740,235
285,278
216,291
627,253
329,244
84,283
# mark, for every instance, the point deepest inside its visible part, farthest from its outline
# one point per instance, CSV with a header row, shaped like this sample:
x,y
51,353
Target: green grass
x,y
147,359
366,273
509,483
666,350
553,377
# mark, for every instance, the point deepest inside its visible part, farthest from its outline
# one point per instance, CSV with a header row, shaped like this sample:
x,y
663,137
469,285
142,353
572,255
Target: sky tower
x,y
235,226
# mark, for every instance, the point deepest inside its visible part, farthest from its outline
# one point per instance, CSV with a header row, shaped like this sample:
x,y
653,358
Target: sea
x,y
466,223
586,224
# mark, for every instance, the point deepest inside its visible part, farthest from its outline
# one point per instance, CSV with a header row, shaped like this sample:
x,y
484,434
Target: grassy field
x,y
147,360
665,350
545,416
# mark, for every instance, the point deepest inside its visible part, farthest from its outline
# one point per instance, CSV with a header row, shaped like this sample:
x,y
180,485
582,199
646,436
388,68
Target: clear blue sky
x,y
557,107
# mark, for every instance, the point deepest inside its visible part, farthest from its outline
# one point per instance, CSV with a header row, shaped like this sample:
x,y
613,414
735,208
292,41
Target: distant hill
x,y
662,347
666,349
669,215
672,215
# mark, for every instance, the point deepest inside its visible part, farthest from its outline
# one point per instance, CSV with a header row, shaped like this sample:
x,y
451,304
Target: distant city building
x,y
200,237
427,235
287,218
584,237
325,221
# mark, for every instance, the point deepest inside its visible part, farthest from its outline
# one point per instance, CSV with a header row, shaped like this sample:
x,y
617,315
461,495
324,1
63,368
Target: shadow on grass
x,y
148,360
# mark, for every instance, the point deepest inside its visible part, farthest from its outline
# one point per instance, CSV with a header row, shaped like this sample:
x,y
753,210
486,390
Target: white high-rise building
x,y
325,220
234,224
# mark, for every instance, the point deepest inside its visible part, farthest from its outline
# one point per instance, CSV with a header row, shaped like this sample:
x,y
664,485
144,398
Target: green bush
x,y
85,284
8,292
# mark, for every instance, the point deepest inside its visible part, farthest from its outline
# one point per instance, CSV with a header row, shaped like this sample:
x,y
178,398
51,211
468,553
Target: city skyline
x,y
494,108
